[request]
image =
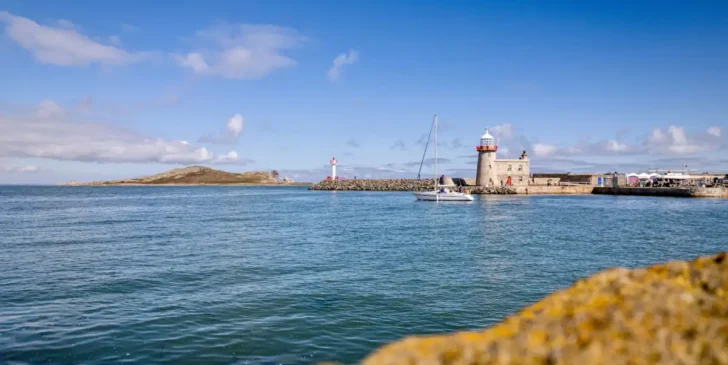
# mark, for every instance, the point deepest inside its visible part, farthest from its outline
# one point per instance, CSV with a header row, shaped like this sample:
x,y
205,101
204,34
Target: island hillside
x,y
200,175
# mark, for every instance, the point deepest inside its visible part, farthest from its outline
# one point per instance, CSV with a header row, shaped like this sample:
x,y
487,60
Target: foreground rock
x,y
676,313
495,191
198,175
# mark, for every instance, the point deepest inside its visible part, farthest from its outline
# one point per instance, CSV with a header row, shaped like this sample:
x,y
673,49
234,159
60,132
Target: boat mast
x,y
424,153
436,178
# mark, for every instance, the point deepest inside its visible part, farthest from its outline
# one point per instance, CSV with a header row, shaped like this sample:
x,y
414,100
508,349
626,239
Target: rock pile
x,y
674,313
375,185
400,185
497,191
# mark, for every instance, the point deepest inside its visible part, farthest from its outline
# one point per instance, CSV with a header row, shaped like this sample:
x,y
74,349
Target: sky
x,y
104,90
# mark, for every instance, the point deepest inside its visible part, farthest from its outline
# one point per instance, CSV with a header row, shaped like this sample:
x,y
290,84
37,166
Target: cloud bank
x,y
49,133
241,51
64,45
22,169
672,141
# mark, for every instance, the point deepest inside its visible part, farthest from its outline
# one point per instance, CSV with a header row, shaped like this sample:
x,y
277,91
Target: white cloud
x,y
677,142
348,58
233,129
241,51
678,135
27,168
544,150
504,131
231,157
615,146
49,109
48,133
195,61
235,125
64,46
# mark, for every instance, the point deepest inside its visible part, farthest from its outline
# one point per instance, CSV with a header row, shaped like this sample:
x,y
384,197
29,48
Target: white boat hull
x,y
443,197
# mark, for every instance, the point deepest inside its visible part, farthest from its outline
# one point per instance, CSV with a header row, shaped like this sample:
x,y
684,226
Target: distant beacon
x,y
487,172
333,168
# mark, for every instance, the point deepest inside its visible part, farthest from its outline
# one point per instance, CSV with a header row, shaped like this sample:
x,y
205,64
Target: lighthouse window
x,y
520,167
520,179
509,168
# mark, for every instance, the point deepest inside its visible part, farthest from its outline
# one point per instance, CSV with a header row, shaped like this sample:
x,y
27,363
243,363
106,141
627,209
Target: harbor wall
x,y
694,192
428,184
674,192
414,184
555,190
719,192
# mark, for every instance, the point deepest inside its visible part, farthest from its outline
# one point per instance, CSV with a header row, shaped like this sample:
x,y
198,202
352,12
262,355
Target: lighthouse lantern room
x,y
487,143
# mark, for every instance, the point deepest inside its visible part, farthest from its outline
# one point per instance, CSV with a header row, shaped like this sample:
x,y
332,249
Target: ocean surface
x,y
271,275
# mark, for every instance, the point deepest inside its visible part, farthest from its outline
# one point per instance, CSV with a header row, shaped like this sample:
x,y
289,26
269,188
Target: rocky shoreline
x,y
399,185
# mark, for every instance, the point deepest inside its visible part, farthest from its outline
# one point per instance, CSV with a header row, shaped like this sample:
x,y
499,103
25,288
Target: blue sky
x,y
100,90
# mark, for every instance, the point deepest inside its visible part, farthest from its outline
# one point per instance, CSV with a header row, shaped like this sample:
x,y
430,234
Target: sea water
x,y
282,275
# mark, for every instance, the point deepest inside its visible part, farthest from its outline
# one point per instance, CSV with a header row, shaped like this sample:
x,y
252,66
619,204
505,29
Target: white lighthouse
x,y
333,168
487,174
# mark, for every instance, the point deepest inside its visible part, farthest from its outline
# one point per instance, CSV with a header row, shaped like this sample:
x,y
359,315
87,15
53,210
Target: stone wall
x,y
545,181
518,170
718,192
555,190
674,192
695,192
567,178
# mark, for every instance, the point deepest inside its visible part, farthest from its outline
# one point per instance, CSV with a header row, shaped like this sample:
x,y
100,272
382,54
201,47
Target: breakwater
x,y
674,313
401,185
688,192
376,185
428,184
414,184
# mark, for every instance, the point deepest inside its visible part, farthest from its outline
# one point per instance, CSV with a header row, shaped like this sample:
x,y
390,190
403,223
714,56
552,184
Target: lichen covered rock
x,y
675,313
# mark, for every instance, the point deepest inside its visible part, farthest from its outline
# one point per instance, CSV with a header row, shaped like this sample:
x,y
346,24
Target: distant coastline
x,y
199,176
197,184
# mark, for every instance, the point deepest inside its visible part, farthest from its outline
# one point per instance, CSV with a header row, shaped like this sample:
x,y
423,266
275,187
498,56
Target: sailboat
x,y
442,192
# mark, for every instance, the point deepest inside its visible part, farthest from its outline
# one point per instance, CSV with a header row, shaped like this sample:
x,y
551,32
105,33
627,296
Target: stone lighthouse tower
x,y
487,170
